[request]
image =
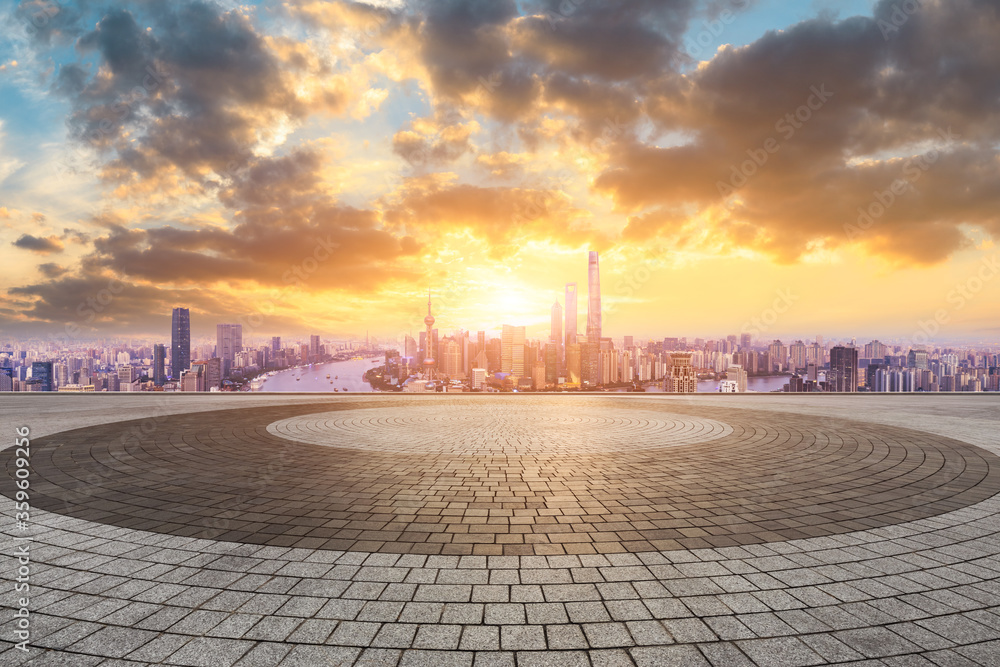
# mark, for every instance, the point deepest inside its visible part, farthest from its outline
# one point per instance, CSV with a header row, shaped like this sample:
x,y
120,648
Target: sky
x,y
742,166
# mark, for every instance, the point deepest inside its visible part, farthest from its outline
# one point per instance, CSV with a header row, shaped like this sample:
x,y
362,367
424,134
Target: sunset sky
x,y
312,166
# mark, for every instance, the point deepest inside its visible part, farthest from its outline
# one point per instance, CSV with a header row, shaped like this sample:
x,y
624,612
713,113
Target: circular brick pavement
x,y
484,429
225,475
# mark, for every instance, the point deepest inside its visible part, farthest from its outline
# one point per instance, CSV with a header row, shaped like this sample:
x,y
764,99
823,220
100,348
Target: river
x,y
349,374
313,378
757,384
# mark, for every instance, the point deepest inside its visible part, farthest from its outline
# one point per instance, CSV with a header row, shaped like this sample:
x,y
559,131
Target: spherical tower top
x,y
429,320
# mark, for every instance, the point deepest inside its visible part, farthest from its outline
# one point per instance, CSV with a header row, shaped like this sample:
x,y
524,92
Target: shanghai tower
x,y
593,300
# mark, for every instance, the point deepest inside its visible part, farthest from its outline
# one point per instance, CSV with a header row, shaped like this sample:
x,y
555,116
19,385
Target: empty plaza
x,y
509,530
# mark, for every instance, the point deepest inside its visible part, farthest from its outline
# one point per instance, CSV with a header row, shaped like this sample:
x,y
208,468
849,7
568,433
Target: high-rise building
x,y
555,329
797,356
745,342
571,316
681,378
451,359
193,379
552,362
159,371
478,378
843,369
512,350
736,374
41,375
211,373
593,299
180,342
228,341
573,365
275,344
314,347
917,359
589,363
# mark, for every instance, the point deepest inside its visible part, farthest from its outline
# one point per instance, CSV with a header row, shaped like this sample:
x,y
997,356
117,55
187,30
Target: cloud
x,y
40,245
503,217
50,270
889,104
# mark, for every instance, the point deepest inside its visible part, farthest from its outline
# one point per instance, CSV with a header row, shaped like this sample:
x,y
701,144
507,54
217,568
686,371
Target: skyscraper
x,y
159,356
275,344
555,330
512,350
228,341
571,317
41,374
180,342
593,299
314,347
843,368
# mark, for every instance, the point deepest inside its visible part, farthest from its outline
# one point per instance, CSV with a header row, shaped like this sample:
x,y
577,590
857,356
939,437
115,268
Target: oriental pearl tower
x,y
429,361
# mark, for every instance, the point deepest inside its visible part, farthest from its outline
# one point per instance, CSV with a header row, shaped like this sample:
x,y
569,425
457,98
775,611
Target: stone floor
x,y
508,530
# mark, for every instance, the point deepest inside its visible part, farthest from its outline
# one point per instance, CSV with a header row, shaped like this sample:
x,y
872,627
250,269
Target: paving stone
x,y
882,570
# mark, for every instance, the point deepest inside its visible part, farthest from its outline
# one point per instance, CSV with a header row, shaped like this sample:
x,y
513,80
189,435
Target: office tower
x,y
304,353
493,354
555,329
843,369
571,317
589,359
451,359
126,375
512,350
573,363
917,359
430,342
593,299
41,375
180,342
681,378
481,340
745,342
6,378
552,362
228,341
409,347
314,347
629,342
212,373
159,372
275,344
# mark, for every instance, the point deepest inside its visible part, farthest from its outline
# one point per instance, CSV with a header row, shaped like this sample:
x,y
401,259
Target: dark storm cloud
x,y
40,245
51,270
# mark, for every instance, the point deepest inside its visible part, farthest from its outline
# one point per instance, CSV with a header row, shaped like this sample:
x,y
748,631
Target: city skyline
x,y
377,155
